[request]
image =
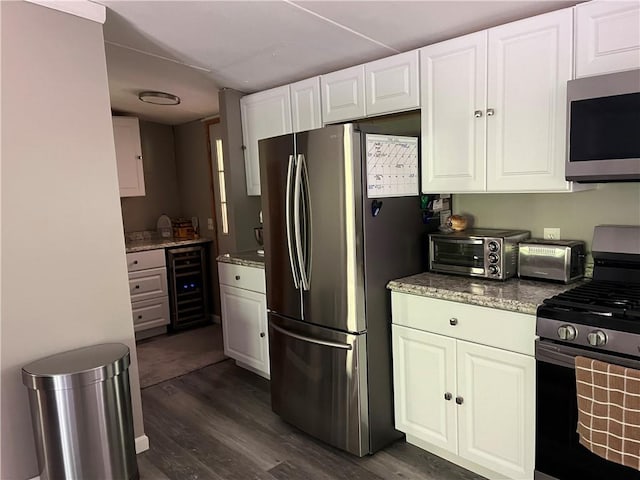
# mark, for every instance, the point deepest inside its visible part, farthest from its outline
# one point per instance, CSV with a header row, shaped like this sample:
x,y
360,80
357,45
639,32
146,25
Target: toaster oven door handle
x,y
466,241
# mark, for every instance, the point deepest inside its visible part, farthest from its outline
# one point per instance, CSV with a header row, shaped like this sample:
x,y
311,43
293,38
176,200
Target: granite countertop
x,y
246,259
156,243
514,294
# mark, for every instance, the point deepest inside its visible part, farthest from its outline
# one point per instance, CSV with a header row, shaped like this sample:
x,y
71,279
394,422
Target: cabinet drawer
x,y
150,313
488,326
147,284
240,276
147,259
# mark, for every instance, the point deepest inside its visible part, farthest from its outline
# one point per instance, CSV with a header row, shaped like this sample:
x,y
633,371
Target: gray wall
x,y
194,186
243,210
574,213
160,178
64,274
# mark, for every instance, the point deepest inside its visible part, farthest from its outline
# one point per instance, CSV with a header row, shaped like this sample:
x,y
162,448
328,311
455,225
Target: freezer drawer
x,y
319,382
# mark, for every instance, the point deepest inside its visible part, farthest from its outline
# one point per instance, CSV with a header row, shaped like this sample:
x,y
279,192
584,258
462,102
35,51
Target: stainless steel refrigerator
x,y
329,253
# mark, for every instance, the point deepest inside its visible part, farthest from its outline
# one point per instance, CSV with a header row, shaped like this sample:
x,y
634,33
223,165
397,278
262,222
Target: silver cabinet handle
x,y
237,277
139,157
459,400
453,321
325,343
477,113
490,112
448,396
262,334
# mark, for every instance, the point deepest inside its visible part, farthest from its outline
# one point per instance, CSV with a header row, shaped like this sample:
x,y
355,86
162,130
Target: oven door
x,y
559,455
455,255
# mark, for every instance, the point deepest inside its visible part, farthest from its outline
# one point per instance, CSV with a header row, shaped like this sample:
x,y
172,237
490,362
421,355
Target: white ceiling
x,y
194,48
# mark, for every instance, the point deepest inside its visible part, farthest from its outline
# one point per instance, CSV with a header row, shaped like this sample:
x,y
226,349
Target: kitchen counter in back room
x,y
515,295
156,243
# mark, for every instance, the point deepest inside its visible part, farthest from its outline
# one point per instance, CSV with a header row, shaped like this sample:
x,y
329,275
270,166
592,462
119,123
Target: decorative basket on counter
x,y
182,228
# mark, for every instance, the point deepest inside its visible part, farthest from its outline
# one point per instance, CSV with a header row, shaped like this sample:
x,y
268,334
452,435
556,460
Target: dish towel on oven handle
x,y
609,410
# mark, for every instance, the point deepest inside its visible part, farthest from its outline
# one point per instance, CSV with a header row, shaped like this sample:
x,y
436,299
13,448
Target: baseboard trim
x,y
142,445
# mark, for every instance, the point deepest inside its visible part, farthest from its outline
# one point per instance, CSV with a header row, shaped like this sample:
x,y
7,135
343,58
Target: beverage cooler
x,y
188,286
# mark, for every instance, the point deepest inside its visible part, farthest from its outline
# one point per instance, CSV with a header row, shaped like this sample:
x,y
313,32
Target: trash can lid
x,y
82,366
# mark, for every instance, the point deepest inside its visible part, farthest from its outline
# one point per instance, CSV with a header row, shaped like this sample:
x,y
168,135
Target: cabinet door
x,y
244,327
343,95
529,66
496,418
423,373
607,37
264,114
453,90
305,104
392,84
126,137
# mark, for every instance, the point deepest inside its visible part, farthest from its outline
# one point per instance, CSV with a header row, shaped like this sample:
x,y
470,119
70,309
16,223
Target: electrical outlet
x,y
552,233
210,223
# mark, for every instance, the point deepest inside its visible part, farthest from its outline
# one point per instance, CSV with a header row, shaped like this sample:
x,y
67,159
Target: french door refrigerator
x,y
329,253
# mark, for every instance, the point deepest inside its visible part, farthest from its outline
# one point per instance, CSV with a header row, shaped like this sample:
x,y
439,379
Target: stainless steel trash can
x,y
81,413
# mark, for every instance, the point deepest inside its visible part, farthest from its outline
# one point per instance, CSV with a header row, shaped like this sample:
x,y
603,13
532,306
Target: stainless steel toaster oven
x,y
556,260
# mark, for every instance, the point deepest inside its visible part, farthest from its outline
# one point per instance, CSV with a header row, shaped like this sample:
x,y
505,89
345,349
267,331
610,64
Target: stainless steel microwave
x,y
479,252
603,128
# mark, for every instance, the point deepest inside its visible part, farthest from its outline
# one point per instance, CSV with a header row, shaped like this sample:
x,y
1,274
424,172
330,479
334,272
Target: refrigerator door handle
x,y
290,246
344,346
297,223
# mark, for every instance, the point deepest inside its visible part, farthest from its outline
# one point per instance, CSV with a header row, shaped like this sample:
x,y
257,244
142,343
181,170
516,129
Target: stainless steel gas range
x,y
599,319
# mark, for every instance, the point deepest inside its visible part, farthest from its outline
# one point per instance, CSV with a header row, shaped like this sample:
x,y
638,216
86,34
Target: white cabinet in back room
x,y
607,37
148,291
264,114
462,391
494,108
126,137
243,308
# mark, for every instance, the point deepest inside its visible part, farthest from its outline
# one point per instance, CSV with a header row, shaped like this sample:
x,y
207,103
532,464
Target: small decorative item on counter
x,y
457,222
164,227
182,228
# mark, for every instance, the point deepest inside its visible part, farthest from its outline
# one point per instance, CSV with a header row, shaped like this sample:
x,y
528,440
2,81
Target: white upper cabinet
x,y
126,136
494,108
607,37
343,95
454,85
305,104
264,114
530,62
392,84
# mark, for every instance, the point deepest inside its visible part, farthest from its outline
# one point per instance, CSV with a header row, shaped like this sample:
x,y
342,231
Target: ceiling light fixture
x,y
159,98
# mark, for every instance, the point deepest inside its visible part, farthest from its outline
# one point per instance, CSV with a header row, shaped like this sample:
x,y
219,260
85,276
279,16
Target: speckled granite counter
x,y
515,295
154,244
247,259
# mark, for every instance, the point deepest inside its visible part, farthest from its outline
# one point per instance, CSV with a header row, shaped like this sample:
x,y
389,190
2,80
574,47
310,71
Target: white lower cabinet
x,y
243,306
148,292
472,404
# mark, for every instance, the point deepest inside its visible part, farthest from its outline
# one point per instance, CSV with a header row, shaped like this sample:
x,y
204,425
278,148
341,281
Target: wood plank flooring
x,y
216,423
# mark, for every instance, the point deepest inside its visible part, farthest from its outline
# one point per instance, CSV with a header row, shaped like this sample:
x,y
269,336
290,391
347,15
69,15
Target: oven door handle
x,y
466,241
552,354
565,356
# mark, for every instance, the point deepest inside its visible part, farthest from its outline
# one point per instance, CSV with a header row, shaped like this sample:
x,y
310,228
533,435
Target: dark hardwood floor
x,y
217,423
